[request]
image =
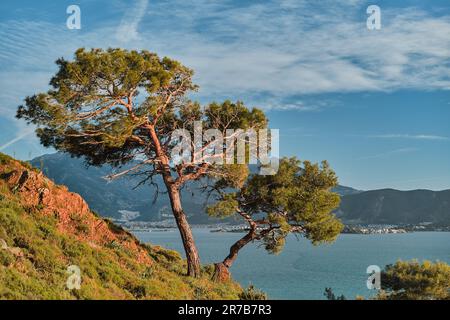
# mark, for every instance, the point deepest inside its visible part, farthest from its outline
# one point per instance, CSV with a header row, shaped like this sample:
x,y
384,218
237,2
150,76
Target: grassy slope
x,y
34,261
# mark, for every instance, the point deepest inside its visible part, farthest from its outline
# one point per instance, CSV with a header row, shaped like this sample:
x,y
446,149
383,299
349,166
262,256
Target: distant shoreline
x,y
348,229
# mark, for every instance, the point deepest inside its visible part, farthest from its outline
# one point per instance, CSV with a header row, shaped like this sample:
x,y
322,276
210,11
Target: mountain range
x,y
122,199
389,206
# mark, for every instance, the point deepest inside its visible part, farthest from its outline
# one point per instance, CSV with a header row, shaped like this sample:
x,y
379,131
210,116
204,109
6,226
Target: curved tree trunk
x,y
222,269
192,257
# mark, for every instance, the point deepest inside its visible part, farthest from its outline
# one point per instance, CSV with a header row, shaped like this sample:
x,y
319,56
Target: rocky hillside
x,y
48,234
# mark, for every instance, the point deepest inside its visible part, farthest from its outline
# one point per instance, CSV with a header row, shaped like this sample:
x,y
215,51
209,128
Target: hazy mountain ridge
x,y
384,206
109,198
345,191
389,206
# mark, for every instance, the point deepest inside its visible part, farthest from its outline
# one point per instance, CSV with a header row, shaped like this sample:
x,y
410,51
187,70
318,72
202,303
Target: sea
x,y
302,270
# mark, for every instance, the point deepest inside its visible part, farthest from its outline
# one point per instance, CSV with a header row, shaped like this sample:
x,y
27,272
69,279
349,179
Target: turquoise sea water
x,y
302,271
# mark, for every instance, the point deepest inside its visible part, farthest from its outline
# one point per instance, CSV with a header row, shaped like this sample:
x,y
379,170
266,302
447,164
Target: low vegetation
x,y
412,280
252,293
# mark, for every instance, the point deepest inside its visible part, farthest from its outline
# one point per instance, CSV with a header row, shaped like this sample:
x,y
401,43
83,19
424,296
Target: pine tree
x,y
121,107
296,200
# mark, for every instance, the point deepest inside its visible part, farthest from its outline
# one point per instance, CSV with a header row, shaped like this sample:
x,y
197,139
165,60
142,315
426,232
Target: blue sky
x,y
375,104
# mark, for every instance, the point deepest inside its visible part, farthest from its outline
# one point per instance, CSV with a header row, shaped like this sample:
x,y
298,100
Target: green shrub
x,y
5,159
251,293
6,258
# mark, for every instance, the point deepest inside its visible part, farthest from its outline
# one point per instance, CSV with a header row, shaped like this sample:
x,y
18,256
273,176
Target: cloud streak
x,y
389,153
412,137
19,137
128,28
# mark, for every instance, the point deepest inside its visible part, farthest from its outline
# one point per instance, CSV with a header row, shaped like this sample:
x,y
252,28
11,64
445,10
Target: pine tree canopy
x,y
297,199
116,106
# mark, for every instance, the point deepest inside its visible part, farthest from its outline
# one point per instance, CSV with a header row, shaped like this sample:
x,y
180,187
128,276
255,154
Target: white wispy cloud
x,y
411,136
318,48
20,136
128,28
388,154
280,49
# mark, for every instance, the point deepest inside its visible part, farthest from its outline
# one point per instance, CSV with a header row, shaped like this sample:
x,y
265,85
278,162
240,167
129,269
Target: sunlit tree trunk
x,y
222,269
192,256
